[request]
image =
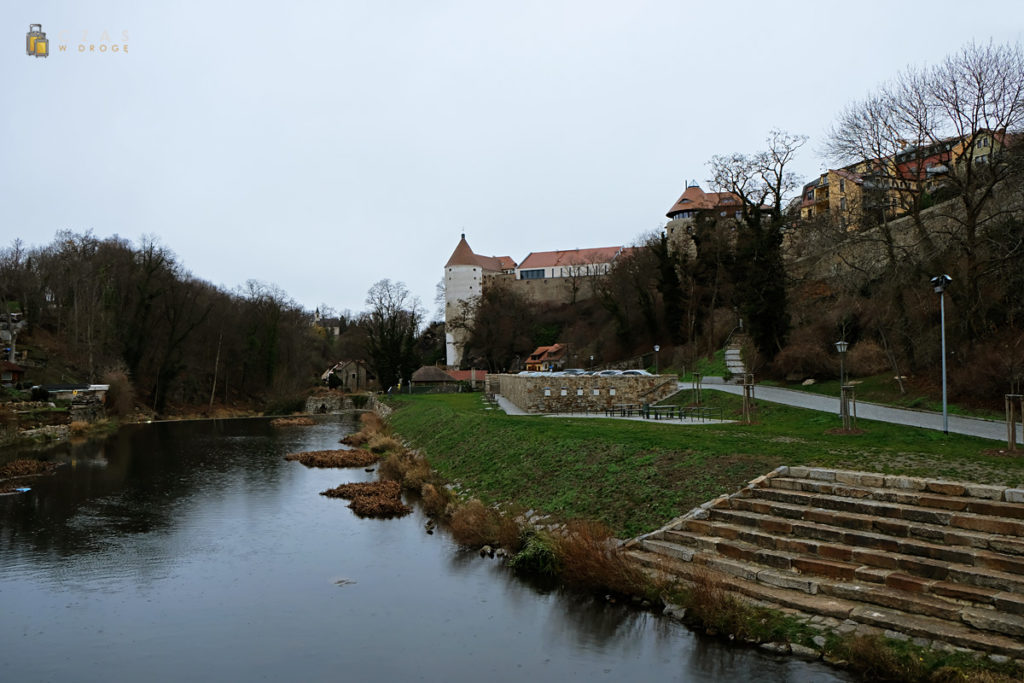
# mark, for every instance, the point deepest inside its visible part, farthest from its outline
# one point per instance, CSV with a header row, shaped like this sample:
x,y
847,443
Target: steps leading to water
x,y
933,559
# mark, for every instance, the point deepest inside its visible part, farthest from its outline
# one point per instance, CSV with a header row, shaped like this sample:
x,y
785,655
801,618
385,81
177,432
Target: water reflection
x,y
193,550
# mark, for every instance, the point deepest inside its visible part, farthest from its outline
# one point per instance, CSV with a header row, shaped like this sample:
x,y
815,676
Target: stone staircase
x,y
938,561
733,357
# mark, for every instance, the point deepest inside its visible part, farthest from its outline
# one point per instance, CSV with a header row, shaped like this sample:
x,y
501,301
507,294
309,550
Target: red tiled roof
x,y
696,199
543,353
547,259
464,256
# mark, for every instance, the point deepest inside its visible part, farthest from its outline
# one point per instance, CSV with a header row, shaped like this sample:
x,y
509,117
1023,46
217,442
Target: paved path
x,y
971,426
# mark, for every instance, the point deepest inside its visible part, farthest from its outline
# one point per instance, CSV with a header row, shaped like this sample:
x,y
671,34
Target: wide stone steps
x,y
855,563
955,633
863,531
904,547
813,575
889,503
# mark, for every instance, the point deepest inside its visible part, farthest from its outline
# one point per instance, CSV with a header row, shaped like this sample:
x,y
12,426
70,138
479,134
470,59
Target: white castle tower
x,y
464,276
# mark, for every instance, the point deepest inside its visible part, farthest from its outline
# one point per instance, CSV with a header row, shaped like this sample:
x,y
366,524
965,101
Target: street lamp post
x,y
841,347
656,349
939,283
591,361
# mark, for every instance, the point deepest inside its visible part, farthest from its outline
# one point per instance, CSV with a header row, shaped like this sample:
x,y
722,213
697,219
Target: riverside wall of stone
x,y
581,393
328,404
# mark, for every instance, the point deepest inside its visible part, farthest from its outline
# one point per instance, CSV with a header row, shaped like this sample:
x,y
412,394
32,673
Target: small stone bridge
x,y
937,561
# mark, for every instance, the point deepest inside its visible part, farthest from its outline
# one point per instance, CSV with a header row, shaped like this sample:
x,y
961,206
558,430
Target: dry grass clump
x,y
372,426
409,469
371,422
436,500
475,525
339,458
26,467
380,443
716,608
591,560
365,488
356,439
78,428
381,499
382,507
292,422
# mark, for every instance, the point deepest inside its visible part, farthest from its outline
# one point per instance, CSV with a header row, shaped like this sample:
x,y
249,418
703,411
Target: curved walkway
x,y
970,426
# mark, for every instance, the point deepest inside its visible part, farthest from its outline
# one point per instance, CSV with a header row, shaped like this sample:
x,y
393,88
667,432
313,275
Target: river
x,y
194,551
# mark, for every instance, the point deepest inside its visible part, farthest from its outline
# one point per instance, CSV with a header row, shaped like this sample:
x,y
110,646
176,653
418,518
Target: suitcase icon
x,y
36,44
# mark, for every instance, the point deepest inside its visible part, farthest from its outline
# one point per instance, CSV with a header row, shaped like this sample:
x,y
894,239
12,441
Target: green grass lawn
x,y
636,476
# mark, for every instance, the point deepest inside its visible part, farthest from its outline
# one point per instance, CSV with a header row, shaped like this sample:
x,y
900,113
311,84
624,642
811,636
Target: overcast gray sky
x,y
322,146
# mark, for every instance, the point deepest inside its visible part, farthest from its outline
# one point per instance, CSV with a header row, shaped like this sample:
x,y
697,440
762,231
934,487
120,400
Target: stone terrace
x,y
937,561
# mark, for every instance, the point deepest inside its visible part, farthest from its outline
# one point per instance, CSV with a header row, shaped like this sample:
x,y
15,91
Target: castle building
x,y
542,277
464,276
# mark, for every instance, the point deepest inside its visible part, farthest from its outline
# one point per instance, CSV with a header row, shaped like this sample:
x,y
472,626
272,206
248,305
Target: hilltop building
x,y
893,185
542,277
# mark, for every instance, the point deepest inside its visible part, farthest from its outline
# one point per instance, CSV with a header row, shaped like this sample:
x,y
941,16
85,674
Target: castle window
x,y
532,274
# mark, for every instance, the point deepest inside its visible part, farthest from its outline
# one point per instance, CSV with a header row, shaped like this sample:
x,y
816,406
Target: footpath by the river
x,y
925,419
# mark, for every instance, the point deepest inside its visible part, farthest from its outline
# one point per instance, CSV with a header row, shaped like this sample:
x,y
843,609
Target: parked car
x,y
608,373
575,371
636,372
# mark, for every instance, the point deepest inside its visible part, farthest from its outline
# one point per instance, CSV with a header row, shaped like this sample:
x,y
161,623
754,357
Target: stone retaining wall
x,y
581,393
328,404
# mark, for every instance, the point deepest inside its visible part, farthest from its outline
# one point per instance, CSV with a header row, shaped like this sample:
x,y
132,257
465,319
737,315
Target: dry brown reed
x,y
372,423
355,439
436,500
381,506
475,525
25,467
590,560
339,458
364,488
78,428
715,607
380,443
300,421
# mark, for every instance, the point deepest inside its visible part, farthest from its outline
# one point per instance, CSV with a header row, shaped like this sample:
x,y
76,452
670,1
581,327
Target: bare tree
x,y
761,181
392,323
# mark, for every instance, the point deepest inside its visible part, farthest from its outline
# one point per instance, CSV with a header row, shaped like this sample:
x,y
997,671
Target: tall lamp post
x,y
656,349
939,283
841,347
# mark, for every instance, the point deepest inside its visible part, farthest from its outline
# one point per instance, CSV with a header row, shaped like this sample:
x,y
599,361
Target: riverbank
x,y
636,476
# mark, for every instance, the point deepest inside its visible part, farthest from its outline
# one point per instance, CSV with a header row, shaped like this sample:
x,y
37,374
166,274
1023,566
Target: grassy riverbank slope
x,y
636,476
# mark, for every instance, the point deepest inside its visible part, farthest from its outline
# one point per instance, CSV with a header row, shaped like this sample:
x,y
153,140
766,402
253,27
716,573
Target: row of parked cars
x,y
573,372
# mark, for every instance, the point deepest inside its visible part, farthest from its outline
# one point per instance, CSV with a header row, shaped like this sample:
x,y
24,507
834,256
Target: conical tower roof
x,y
463,255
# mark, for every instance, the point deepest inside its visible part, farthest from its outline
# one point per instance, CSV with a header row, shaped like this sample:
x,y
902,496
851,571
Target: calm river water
x,y
194,551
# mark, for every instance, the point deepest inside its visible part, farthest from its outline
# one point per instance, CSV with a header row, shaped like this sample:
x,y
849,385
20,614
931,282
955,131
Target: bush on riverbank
x,y
372,426
475,525
381,443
